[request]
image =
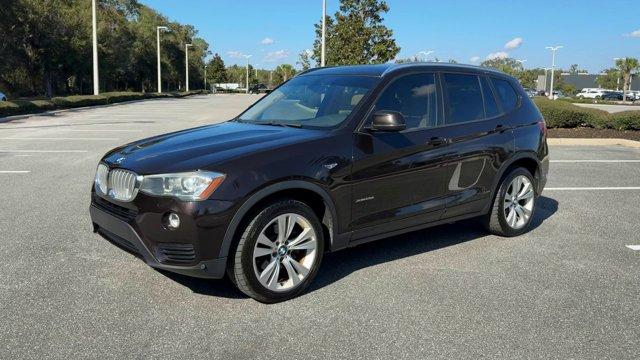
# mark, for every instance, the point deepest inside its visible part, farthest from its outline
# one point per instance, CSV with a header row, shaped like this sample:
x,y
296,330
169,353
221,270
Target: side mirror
x,y
388,121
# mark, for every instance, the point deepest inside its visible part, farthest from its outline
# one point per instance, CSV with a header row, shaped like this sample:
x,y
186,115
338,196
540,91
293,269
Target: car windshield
x,y
316,101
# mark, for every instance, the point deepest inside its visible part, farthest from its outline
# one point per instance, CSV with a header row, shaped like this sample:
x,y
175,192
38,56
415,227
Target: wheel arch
x,y
310,193
525,160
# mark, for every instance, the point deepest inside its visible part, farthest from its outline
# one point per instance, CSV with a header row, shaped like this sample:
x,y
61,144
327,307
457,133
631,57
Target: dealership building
x,y
581,81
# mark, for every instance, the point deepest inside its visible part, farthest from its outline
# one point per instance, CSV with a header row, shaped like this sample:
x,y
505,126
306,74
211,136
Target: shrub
x,y
626,120
17,107
79,101
115,97
561,114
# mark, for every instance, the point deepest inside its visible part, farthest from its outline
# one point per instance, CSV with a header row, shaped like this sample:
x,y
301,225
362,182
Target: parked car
x,y
611,96
258,89
333,158
590,94
530,92
3,97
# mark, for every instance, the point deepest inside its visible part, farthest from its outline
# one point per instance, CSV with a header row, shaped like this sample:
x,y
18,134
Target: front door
x,y
397,177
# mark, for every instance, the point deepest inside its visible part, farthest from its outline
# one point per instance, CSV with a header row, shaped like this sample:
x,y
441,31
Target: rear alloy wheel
x,y
279,252
514,204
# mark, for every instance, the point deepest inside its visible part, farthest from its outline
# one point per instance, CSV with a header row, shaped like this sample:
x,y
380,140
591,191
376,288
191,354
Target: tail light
x,y
543,127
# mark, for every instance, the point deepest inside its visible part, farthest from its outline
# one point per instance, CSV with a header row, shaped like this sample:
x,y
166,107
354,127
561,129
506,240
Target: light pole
x,y
553,65
96,85
186,65
247,57
163,28
205,77
426,53
618,77
324,32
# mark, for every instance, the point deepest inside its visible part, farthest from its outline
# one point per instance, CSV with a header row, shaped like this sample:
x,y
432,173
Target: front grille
x,y
118,211
122,184
176,253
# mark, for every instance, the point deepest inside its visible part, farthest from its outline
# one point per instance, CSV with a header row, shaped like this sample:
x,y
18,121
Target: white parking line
x,y
594,161
44,151
591,188
14,171
65,139
634,247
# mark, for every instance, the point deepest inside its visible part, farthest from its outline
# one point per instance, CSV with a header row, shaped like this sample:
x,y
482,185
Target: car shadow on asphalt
x,y
338,265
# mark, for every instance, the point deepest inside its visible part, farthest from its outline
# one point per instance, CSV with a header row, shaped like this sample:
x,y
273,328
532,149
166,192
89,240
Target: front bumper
x,y
123,234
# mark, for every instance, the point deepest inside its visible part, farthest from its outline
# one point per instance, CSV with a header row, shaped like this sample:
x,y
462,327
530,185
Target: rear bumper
x,y
122,234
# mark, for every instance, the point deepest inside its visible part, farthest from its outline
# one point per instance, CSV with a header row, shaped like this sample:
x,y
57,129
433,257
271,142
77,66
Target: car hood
x,y
203,147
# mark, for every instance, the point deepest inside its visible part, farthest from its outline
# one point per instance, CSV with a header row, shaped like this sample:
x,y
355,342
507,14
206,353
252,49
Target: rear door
x,y
480,140
397,177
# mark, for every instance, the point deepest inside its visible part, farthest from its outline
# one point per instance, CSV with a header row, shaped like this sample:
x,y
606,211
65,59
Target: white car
x,y
590,94
3,97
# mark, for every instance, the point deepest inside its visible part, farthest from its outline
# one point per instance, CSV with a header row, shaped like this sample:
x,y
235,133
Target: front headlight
x,y
100,182
191,186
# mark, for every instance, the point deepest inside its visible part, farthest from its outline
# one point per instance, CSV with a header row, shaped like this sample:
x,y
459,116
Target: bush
x,y
17,107
115,97
626,120
79,101
561,114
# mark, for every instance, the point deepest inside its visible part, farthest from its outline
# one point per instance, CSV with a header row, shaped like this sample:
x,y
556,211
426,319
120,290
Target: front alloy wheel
x,y
279,253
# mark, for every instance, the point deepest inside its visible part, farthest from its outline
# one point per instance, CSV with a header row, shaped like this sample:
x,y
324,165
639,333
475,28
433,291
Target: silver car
x,y
3,97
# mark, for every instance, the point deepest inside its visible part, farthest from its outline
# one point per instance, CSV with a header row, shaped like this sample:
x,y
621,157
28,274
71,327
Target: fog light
x,y
173,221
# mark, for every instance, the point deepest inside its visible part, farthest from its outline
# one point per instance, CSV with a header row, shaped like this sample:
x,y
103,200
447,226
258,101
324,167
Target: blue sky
x,y
275,31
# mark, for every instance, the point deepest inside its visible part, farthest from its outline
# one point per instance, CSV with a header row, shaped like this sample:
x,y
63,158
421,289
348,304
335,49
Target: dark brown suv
x,y
333,158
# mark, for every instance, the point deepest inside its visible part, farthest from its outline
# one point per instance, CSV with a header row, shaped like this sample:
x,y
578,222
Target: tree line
x,y
46,48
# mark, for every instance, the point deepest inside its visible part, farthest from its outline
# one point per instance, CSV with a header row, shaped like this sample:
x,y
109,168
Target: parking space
x,y
567,289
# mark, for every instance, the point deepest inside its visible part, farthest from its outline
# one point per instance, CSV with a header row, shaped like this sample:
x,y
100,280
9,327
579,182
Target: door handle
x,y
438,141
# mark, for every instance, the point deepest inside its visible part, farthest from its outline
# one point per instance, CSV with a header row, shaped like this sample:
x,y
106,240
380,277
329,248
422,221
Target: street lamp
x,y
96,86
553,65
186,65
205,77
426,53
163,28
247,57
324,32
618,78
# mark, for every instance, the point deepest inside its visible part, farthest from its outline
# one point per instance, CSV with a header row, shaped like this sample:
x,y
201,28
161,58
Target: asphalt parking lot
x,y
567,289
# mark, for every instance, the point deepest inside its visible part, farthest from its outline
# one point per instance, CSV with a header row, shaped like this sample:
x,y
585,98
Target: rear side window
x,y
415,97
464,98
508,96
490,105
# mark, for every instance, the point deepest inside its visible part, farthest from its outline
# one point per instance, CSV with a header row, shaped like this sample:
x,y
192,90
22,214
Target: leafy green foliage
x,y
46,48
356,35
562,114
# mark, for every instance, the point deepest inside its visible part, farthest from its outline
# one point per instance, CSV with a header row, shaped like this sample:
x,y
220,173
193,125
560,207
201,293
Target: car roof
x,y
381,70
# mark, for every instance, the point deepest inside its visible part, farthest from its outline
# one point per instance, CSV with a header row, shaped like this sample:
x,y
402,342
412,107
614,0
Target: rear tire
x,y
279,252
514,204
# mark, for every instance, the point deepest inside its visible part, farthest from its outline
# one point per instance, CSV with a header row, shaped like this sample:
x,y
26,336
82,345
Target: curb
x,y
54,112
593,142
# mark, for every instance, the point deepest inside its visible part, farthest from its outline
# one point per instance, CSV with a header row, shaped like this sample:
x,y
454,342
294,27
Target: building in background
x,y
581,81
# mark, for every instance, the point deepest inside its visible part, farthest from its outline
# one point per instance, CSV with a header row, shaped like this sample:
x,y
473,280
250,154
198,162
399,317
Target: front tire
x,y
514,204
279,252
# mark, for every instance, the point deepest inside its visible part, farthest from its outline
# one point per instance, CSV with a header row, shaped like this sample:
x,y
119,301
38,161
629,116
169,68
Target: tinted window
x,y
508,96
490,105
415,97
464,98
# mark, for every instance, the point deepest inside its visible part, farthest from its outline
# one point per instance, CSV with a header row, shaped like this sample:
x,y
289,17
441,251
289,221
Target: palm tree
x,y
627,66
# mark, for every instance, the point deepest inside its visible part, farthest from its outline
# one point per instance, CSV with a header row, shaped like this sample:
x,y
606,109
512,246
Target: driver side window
x,y
414,96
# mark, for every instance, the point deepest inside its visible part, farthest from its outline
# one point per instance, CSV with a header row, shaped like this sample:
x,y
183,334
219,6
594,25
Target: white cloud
x,y
498,55
267,41
474,59
276,56
513,44
635,33
234,54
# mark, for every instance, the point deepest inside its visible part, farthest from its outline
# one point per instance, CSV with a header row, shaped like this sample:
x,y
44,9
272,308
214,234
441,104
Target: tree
x,y
506,65
627,66
609,78
283,73
356,35
303,59
529,77
216,72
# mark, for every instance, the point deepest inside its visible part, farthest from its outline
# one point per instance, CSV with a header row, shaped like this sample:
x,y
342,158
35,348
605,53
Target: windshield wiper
x,y
273,123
